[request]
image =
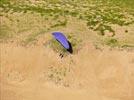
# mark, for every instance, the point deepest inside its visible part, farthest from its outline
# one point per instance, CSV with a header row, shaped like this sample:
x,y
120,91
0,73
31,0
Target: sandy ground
x,y
92,74
36,72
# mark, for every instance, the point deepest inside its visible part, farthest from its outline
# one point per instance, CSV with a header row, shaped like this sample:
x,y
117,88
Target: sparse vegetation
x,y
57,46
35,66
112,42
47,15
5,32
75,42
57,75
31,38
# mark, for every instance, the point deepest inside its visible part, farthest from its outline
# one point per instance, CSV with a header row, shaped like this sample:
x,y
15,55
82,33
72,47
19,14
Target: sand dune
x,y
38,73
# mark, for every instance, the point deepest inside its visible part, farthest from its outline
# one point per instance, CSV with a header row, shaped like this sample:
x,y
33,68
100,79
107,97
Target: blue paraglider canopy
x,y
62,39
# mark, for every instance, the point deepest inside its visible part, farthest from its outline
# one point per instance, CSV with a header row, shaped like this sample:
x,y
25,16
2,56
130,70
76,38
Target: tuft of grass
x,y
127,46
112,42
32,37
75,42
29,40
57,74
60,23
5,32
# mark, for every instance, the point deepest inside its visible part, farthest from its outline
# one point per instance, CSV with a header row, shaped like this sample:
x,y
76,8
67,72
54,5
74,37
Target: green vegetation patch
x,y
112,42
99,15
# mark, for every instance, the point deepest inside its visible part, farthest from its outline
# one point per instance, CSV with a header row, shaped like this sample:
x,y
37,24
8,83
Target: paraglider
x,y
61,38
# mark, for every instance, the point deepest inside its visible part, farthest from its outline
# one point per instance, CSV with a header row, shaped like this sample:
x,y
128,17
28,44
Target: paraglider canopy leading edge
x,y
61,38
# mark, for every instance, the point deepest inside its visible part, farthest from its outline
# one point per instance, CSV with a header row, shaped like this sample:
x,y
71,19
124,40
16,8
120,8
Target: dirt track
x,y
92,74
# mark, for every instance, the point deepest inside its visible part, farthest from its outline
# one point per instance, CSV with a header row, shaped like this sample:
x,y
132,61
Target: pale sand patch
x,y
92,75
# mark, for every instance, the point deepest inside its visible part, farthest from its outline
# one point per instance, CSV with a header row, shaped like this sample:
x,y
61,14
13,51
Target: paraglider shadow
x,y
70,50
